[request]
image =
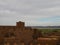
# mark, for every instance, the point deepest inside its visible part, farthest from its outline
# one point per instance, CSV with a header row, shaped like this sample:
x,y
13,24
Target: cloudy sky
x,y
32,12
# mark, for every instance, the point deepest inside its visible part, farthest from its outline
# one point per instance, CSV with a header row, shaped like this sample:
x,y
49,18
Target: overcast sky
x,y
32,12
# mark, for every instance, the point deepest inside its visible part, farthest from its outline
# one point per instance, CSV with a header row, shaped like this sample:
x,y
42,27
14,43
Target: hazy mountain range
x,y
44,26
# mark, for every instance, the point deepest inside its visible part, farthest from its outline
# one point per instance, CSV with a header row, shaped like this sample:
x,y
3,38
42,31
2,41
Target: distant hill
x,y
44,26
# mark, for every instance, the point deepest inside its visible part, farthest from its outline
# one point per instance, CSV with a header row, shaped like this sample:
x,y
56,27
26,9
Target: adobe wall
x,y
20,35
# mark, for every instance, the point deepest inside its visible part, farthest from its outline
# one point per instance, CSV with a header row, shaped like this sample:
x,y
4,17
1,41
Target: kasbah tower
x,y
15,35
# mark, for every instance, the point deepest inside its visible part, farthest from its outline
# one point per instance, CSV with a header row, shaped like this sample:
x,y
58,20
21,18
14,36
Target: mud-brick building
x,y
21,35
15,35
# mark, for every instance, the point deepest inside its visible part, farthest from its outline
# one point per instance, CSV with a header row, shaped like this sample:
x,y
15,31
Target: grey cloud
x,y
28,10
24,7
